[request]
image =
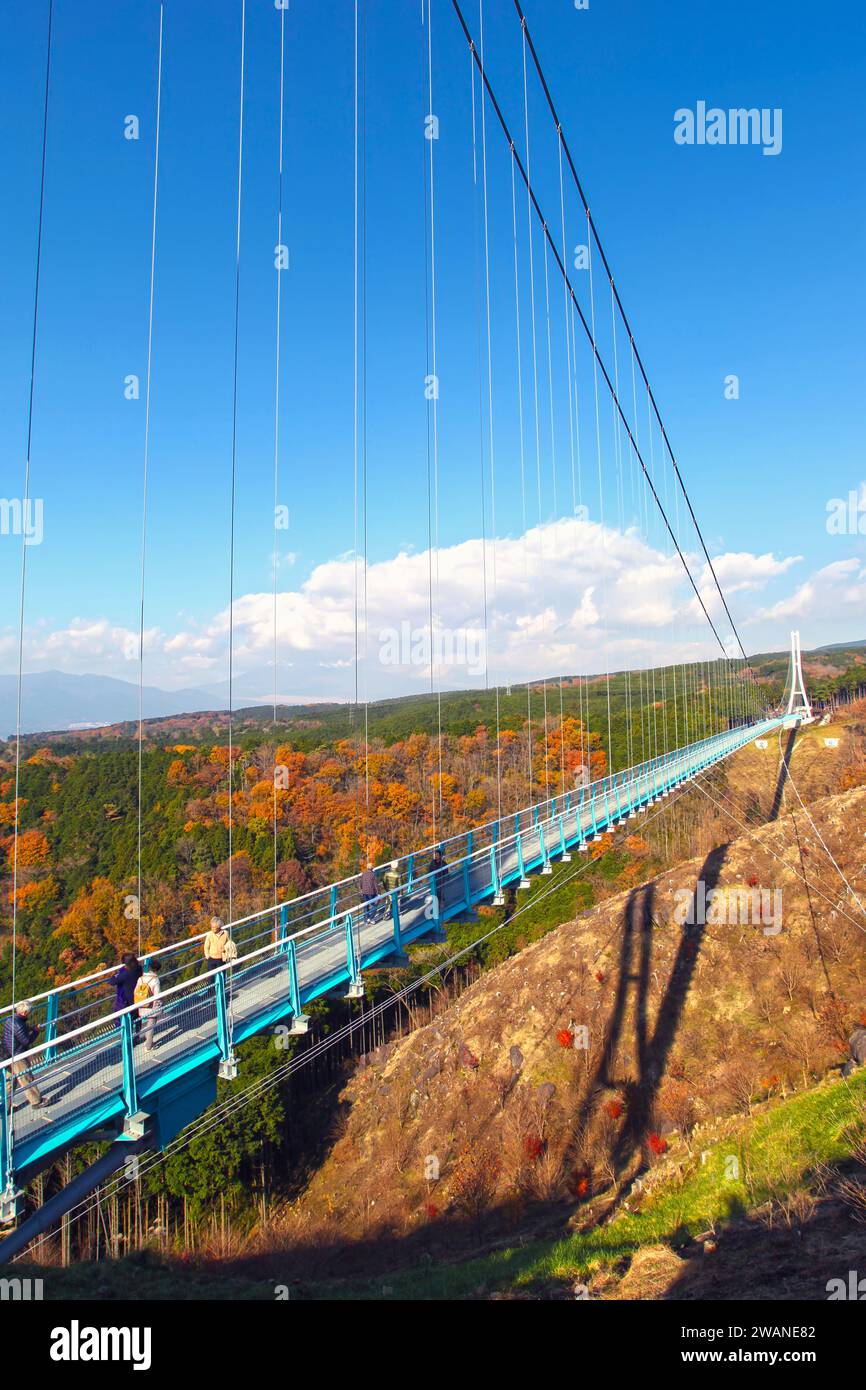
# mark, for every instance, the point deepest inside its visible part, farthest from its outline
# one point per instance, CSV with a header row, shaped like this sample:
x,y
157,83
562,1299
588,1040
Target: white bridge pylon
x,y
799,709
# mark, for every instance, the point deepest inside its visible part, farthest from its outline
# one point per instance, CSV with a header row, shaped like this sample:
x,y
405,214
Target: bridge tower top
x,y
798,701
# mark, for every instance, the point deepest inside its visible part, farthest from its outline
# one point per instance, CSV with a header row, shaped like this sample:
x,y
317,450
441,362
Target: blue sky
x,y
728,262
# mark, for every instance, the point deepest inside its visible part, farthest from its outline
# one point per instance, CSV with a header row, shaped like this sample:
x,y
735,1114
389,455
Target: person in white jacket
x,y
147,993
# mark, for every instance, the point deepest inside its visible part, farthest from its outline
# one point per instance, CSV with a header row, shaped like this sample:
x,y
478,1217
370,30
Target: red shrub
x,y
533,1146
565,1037
614,1109
657,1145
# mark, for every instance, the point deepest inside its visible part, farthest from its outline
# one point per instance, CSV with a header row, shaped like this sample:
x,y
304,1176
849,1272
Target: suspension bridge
x,y
94,1076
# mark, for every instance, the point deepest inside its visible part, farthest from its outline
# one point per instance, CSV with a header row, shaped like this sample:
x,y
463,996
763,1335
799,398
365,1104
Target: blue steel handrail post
x,y
222,1016
520,862
127,1044
542,844
294,987
7,1175
352,962
51,1013
395,921
435,904
467,888
494,872
619,811
283,930
410,874
333,901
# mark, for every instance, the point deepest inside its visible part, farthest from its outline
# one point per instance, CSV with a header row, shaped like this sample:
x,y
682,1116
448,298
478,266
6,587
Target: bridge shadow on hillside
x,y
652,1043
784,774
383,1252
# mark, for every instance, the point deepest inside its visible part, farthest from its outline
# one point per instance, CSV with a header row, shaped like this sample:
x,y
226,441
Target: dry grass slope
x,y
491,1120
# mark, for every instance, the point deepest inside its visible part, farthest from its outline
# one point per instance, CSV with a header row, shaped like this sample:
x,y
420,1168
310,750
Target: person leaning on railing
x,y
216,943
19,1035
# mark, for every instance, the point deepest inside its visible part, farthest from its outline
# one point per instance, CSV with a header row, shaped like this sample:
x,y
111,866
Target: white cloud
x,y
836,592
738,571
571,596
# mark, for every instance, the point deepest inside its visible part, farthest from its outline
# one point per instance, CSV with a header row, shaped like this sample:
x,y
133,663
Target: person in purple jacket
x,y
124,981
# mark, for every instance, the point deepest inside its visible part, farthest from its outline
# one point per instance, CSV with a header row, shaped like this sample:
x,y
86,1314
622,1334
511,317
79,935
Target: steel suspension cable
x,y
6,1098
529,221
428,411
433,396
522,441
145,473
490,430
277,402
601,517
233,490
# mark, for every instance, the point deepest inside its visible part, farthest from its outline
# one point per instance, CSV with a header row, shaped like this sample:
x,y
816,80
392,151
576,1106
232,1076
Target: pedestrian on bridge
x,y
216,945
438,875
391,877
125,980
369,889
147,993
19,1035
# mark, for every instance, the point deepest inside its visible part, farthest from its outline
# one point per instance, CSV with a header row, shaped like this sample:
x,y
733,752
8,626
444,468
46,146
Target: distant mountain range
x,y
53,701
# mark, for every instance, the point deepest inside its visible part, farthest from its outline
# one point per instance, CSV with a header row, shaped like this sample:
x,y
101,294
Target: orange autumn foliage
x,y
34,898
33,850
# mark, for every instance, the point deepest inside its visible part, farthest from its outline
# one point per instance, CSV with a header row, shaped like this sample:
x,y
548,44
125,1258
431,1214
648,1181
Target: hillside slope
x,y
492,1118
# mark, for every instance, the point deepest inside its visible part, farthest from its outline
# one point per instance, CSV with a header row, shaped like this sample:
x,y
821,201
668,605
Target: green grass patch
x,y
770,1156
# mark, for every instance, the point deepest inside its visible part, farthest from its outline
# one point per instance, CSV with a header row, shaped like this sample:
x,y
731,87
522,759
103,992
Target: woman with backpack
x,y
147,992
